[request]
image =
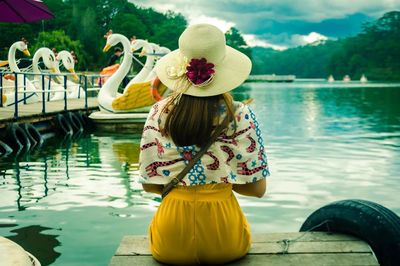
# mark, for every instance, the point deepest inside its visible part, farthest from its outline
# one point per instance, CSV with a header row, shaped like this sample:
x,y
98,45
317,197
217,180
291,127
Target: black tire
x,y
62,125
87,122
33,134
16,138
5,149
75,122
375,224
82,119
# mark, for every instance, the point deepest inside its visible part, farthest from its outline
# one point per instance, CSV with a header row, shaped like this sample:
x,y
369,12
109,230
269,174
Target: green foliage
x,y
61,41
235,40
374,52
87,21
308,61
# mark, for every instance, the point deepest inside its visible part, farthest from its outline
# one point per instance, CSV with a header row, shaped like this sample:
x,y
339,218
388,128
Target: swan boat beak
x,y
26,52
106,48
72,71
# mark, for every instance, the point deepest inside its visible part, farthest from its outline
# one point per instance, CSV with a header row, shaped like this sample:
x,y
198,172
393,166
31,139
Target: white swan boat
x,y
133,105
74,90
26,90
363,79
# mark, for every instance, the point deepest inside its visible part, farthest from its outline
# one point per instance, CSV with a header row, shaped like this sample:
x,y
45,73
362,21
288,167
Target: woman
x,y
200,221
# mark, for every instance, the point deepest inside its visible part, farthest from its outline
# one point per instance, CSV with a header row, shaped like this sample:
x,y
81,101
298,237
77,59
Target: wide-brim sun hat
x,y
203,65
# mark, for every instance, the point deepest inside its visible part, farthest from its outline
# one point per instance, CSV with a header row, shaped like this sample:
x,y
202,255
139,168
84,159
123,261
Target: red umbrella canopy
x,y
23,11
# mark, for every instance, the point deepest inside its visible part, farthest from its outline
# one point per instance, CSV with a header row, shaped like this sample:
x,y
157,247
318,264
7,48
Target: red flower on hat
x,y
199,71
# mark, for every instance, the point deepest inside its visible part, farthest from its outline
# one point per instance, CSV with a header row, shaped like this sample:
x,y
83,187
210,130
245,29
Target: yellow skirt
x,y
199,225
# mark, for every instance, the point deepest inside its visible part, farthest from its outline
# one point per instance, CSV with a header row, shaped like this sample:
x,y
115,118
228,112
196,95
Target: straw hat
x,y
203,65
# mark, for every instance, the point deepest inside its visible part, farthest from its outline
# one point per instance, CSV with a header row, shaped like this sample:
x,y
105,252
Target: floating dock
x,y
278,249
271,78
33,112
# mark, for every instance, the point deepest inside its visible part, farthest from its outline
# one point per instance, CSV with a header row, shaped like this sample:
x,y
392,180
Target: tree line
x,y
79,26
375,52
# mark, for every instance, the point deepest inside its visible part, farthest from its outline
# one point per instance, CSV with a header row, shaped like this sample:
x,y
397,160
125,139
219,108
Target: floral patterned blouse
x,y
237,157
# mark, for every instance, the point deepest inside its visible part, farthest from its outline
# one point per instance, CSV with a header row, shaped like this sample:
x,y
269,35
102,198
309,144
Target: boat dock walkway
x,y
310,248
33,112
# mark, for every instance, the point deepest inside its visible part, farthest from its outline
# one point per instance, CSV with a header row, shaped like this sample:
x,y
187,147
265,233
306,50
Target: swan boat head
x,y
68,61
48,57
23,47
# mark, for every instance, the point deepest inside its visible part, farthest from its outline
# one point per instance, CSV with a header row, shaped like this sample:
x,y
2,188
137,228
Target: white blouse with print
x,y
236,157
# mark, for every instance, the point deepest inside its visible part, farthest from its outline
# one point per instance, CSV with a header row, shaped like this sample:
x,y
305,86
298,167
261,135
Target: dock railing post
x,y
16,96
92,81
48,91
43,96
86,95
24,88
49,88
65,93
1,89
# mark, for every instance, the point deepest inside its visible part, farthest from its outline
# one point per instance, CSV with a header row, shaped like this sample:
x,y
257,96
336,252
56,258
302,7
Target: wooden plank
x,y
302,237
133,245
347,259
317,242
311,247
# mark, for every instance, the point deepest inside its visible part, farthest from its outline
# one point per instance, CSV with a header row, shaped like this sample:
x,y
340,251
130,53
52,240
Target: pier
x,y
45,109
278,249
33,112
271,78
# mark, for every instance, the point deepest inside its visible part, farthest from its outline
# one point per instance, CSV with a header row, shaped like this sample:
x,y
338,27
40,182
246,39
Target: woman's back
x,y
200,220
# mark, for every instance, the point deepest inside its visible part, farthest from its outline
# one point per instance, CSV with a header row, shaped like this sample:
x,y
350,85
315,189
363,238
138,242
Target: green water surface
x,y
71,203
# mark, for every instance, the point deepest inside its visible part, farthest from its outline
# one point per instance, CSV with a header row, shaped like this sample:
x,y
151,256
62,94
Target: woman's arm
x,y
152,188
256,189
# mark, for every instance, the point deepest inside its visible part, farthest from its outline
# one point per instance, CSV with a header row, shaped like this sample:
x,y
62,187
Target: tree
x,y
61,41
235,40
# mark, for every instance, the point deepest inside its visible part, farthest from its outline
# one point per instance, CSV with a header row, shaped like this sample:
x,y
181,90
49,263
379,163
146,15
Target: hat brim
x,y
232,71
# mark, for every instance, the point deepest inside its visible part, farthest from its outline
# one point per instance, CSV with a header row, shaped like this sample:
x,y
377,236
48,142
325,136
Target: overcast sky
x,y
280,23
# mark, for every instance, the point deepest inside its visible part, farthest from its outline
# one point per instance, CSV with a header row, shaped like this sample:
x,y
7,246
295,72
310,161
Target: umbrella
x,y
23,11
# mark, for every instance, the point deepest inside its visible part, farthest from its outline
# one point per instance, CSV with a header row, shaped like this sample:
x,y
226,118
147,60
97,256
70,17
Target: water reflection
x,y
41,245
324,144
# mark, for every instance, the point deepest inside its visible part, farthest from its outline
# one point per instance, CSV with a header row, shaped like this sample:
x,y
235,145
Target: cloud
x,y
282,20
223,25
312,37
253,40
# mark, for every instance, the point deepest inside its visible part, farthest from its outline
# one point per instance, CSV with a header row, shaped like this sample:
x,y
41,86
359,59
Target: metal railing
x,y
22,93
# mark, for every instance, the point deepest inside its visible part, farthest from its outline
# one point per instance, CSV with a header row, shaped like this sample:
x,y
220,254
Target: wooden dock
x,y
311,248
33,112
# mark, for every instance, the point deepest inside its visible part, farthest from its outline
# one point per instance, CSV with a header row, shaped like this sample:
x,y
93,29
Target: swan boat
x,y
74,90
49,61
26,90
130,109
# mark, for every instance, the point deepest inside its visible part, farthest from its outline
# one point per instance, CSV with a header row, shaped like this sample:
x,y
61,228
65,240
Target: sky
x,y
280,24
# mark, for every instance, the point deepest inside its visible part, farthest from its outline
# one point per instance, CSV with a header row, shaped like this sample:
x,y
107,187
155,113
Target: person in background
x,y
54,51
74,57
116,58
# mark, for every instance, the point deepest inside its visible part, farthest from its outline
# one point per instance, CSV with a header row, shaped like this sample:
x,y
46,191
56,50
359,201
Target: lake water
x,y
70,204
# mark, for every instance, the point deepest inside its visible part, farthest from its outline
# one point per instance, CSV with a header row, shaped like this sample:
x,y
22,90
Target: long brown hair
x,y
192,120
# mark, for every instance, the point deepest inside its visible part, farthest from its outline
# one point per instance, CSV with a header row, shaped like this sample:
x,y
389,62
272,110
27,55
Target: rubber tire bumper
x,y
5,149
33,134
62,124
75,122
16,138
369,221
